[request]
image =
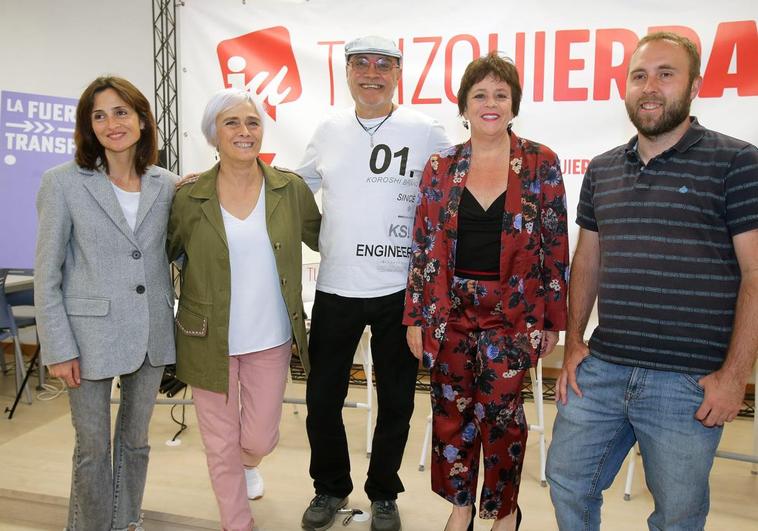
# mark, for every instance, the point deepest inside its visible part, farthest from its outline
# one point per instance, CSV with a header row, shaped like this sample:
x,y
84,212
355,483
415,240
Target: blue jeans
x,y
592,436
107,496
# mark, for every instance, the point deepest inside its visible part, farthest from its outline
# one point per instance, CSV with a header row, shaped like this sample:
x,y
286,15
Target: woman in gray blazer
x,y
104,296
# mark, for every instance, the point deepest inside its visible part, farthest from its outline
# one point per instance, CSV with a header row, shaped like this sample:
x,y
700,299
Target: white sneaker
x,y
254,482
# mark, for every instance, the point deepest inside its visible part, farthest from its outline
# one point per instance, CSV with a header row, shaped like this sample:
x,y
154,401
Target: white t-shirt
x,y
258,318
369,197
129,202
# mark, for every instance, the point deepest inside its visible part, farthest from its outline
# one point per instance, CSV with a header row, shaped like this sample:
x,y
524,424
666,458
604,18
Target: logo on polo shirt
x,y
263,63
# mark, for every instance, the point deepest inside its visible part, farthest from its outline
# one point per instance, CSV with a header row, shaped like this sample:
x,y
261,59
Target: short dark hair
x,y
684,42
89,152
492,64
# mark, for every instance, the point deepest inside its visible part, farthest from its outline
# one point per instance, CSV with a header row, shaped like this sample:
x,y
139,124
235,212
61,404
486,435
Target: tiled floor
x,y
35,456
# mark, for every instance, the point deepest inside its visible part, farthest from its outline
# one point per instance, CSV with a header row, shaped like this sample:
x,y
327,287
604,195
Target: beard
x,y
674,113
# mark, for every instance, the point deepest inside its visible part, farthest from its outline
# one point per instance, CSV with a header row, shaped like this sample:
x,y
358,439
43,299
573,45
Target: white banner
x,y
572,57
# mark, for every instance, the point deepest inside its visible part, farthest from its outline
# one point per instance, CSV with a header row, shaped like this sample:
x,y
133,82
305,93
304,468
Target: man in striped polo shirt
x,y
669,246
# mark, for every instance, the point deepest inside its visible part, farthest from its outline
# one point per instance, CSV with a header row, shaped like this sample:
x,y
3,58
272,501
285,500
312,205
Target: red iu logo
x,y
263,63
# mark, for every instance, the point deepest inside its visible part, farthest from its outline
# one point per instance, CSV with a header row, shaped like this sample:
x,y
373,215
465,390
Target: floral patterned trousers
x,y
476,402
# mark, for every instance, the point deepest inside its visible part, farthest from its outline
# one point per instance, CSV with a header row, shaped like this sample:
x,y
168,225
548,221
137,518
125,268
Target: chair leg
x,y
425,446
3,364
116,390
40,368
630,474
368,367
295,410
12,410
21,371
536,375
368,370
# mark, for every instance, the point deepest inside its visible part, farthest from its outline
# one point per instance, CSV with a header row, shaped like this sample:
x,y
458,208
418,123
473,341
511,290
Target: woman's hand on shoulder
x,y
187,179
68,371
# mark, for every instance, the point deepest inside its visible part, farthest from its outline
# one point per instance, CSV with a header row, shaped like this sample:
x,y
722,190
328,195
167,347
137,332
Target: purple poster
x,y
36,133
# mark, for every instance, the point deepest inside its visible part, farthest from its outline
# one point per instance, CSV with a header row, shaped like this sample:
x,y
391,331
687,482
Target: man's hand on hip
x,y
573,354
723,399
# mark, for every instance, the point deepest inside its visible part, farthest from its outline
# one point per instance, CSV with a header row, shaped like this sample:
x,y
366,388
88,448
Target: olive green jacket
x,y
196,230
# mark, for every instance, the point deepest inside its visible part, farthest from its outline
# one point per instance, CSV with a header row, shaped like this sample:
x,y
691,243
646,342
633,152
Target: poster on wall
x,y
572,57
37,133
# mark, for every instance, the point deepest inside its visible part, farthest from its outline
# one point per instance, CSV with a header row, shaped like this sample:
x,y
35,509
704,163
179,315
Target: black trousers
x,y
336,327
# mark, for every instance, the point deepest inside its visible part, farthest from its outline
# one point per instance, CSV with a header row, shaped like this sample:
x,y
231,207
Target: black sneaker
x,y
322,511
385,516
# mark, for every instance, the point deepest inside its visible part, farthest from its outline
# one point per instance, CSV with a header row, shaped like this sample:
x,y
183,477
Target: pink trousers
x,y
242,428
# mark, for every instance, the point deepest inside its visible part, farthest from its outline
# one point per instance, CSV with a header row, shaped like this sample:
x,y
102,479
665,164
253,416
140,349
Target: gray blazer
x,y
103,292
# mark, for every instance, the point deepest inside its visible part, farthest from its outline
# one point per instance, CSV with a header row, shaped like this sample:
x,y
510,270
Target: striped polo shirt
x,y
669,276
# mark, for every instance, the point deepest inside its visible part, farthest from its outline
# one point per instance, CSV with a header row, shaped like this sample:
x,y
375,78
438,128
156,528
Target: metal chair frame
x,y
536,376
9,325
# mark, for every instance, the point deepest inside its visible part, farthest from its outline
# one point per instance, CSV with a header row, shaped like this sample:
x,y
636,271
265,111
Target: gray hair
x,y
222,101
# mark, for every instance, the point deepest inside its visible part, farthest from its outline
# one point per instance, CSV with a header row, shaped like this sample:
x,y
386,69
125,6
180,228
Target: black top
x,y
669,276
477,255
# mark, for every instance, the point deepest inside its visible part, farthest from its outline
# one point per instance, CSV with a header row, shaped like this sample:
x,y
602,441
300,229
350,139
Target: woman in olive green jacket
x,y
239,228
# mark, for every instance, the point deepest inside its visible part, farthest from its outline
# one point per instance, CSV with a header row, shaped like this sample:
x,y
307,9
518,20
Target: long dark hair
x,y
89,151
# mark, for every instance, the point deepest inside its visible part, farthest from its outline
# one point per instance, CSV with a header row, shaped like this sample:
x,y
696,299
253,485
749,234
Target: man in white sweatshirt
x,y
368,161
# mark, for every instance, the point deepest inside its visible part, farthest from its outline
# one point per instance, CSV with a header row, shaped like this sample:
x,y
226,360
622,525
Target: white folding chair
x,y
363,356
9,326
632,457
427,440
726,455
536,376
539,427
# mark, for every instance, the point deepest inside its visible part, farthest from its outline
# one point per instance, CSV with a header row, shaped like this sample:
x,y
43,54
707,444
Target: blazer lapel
x,y
514,238
212,211
151,187
99,186
274,184
458,175
514,192
456,182
205,190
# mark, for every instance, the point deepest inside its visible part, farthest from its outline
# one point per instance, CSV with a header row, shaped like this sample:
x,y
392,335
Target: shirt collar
x,y
691,136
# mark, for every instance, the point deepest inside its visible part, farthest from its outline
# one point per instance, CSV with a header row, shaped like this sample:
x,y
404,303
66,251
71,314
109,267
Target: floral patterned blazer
x,y
533,248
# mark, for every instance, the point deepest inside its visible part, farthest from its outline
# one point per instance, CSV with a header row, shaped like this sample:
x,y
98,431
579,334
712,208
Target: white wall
x,y
56,47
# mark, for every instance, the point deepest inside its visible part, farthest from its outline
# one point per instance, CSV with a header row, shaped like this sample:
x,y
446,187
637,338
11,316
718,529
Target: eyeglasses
x,y
383,65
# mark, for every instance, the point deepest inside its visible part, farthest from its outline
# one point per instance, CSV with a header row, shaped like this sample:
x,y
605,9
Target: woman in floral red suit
x,y
486,292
